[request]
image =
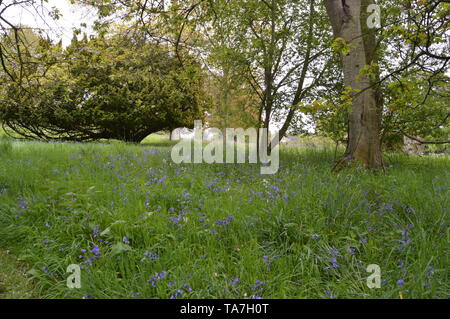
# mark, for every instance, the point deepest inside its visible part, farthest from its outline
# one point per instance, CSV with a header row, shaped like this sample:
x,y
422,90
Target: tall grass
x,y
143,227
5,145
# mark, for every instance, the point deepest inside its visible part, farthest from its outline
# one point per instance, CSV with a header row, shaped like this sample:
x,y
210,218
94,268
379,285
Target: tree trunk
x,y
348,21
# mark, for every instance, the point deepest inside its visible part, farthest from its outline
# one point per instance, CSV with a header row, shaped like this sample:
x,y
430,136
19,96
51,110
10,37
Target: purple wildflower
x,y
156,277
96,251
268,262
258,285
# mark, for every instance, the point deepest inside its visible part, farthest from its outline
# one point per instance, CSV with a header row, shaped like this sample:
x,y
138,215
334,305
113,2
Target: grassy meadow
x,y
141,226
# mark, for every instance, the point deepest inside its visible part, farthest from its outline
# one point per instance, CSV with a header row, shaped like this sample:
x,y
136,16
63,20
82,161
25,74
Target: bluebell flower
x,y
156,277
258,285
96,251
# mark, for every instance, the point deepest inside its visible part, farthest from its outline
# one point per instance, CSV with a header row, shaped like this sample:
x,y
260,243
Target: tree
x,y
281,55
117,86
348,20
414,108
415,65
14,51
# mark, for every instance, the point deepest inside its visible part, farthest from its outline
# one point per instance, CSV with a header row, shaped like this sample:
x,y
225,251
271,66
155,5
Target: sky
x,y
72,17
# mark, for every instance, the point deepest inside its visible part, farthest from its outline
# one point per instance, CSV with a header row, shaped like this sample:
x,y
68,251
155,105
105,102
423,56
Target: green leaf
x,y
106,231
33,273
119,248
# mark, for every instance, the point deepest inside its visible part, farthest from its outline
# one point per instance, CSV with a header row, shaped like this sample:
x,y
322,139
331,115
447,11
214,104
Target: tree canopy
x,y
301,66
114,86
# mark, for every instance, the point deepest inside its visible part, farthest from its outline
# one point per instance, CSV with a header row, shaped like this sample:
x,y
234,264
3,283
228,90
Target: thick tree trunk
x,y
365,117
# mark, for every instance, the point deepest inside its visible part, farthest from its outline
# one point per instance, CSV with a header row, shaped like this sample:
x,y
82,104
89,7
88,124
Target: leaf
x,y
120,221
106,231
33,273
119,248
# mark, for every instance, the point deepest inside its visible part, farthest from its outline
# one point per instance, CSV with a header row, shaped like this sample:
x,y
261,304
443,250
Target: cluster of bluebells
x,y
406,239
274,192
351,250
157,277
149,257
268,262
151,152
222,223
177,220
314,236
156,180
380,208
185,200
23,206
3,188
47,242
225,222
91,254
216,188
186,195
258,287
328,292
362,240
96,231
180,292
233,282
49,273
252,194
430,272
334,253
96,235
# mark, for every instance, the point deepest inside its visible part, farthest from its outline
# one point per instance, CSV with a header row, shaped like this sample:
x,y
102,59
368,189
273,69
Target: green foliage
x,y
114,86
411,77
416,108
62,200
341,46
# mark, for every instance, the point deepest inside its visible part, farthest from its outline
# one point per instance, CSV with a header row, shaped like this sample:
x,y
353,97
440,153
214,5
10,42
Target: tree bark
x,y
348,19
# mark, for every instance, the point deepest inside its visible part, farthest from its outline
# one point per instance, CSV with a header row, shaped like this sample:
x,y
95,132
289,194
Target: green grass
x,y
58,201
14,283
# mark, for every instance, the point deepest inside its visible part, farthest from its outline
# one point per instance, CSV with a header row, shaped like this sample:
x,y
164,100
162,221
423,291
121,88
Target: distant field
x,y
143,227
